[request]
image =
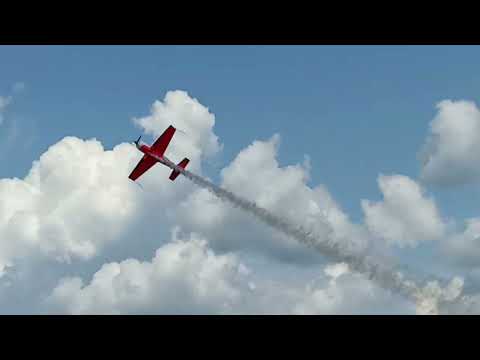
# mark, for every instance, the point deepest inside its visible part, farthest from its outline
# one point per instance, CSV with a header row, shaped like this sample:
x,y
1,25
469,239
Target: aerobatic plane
x,y
154,154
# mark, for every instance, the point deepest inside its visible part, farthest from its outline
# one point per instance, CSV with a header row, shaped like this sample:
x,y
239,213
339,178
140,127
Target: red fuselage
x,y
147,151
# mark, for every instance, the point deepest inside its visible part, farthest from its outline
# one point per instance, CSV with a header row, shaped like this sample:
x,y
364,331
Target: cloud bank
x,y
76,208
184,277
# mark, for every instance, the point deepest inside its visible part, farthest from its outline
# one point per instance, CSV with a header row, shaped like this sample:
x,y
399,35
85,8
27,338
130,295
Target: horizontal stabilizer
x,y
175,173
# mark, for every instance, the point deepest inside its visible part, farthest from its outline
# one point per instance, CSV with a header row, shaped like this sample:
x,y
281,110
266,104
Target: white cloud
x,y
184,277
256,175
74,200
186,114
405,216
451,153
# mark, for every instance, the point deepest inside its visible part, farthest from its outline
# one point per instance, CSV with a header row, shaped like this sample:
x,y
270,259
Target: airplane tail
x,y
175,173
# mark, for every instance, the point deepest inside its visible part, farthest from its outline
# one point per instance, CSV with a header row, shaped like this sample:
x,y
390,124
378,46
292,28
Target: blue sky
x,y
357,111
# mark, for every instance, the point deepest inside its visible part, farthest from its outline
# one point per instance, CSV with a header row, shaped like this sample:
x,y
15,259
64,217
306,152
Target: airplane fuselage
x,y
161,159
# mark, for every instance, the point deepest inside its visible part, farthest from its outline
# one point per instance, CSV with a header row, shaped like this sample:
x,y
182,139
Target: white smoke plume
x,y
386,276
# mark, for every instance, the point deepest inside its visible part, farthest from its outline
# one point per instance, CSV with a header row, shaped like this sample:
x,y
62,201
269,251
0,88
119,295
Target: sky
x,y
363,116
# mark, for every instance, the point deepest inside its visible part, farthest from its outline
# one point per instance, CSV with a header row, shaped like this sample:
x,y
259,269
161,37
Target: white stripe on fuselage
x,y
161,159
164,160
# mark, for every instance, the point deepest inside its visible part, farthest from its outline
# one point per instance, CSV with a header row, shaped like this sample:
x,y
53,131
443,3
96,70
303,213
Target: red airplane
x,y
154,154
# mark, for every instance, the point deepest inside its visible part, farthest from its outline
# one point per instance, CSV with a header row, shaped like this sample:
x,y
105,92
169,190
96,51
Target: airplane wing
x,y
160,145
143,165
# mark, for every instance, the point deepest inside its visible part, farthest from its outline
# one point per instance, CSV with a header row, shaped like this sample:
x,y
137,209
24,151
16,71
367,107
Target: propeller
x,y
138,140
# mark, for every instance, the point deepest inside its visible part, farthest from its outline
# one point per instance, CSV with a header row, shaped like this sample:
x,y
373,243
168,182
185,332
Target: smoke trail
x,y
385,276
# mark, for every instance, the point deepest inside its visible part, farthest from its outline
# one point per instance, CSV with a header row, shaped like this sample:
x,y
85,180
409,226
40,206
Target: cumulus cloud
x,y
187,114
450,155
72,202
184,277
406,215
256,175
